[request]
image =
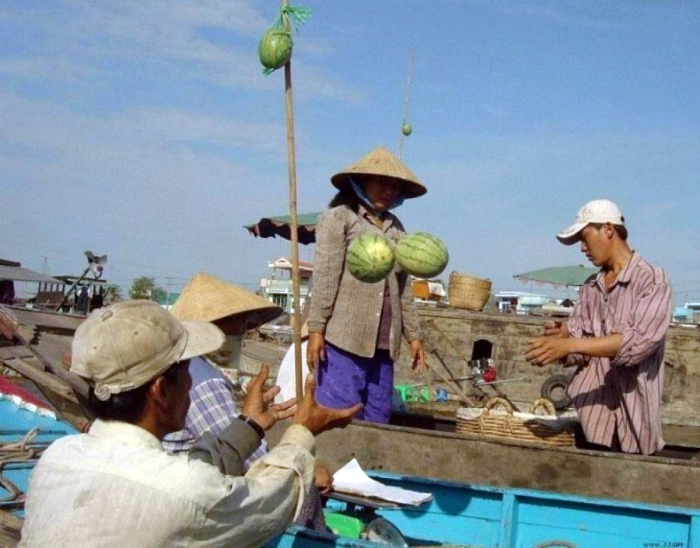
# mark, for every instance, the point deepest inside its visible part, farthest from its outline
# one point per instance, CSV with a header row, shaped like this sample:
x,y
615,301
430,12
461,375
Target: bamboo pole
x,y
292,168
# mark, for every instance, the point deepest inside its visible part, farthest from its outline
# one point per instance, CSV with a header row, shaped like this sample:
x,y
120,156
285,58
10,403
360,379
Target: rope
x,y
294,16
15,453
20,446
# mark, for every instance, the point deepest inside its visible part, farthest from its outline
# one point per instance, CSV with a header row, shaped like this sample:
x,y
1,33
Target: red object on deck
x,y
489,374
11,389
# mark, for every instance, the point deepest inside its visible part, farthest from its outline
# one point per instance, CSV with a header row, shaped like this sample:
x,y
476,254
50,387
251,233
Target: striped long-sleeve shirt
x,y
623,394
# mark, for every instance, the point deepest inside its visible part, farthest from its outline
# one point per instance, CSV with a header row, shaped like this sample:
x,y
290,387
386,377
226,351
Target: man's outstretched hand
x,y
318,418
257,404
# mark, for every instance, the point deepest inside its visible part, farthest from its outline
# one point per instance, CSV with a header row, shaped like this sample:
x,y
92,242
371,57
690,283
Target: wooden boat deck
x,y
429,447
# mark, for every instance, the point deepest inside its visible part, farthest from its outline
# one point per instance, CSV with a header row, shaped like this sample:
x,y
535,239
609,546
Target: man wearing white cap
x,y
115,486
615,336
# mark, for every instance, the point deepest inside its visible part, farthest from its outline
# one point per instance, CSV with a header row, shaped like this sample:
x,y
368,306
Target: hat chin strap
x,y
360,192
234,343
229,355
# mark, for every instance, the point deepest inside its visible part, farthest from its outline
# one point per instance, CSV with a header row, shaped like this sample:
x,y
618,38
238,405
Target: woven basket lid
x,y
207,298
382,163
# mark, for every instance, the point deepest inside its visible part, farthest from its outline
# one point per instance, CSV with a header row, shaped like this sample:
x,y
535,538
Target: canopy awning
x,y
19,274
270,227
560,275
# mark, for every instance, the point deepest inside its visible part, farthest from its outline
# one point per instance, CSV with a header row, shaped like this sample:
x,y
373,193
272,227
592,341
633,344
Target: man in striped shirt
x,y
615,336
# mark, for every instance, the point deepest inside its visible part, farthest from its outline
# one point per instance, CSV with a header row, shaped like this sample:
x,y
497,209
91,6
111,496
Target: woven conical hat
x,y
207,298
383,163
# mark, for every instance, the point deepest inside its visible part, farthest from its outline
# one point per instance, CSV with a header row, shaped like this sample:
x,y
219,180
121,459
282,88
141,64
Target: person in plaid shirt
x,y
234,311
212,402
212,407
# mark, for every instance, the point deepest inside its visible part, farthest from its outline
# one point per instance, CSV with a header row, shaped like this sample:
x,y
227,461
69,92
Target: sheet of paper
x,y
352,479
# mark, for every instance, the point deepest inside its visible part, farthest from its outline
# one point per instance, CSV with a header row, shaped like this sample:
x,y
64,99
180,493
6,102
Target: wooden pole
x,y
292,167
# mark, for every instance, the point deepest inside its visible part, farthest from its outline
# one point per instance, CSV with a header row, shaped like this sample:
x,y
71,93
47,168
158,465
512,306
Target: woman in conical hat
x,y
355,328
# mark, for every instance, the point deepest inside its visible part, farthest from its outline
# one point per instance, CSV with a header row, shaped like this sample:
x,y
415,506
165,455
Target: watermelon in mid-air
x,y
421,254
370,257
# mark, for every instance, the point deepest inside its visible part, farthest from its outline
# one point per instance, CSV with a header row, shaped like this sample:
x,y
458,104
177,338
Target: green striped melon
x,y
275,49
421,254
370,257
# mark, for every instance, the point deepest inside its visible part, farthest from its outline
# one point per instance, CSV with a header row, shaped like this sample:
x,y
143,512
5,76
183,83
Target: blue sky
x,y
144,129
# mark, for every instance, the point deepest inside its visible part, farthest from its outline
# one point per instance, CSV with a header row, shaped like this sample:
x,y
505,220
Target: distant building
x,y
688,313
167,299
277,288
521,302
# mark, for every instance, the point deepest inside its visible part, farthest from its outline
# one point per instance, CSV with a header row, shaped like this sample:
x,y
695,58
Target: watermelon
x,y
421,254
275,49
370,257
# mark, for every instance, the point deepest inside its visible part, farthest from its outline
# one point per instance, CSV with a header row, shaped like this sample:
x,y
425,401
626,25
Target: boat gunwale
x,y
691,463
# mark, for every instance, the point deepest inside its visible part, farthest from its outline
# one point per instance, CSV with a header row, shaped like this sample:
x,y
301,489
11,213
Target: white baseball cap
x,y
595,211
125,345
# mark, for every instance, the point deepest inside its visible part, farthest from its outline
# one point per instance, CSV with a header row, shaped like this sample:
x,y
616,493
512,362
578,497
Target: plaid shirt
x,y
212,408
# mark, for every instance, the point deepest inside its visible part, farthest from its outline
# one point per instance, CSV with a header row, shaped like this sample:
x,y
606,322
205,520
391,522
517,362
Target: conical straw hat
x,y
383,163
207,298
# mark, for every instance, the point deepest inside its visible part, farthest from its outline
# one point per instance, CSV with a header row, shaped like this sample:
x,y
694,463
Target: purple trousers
x,y
345,379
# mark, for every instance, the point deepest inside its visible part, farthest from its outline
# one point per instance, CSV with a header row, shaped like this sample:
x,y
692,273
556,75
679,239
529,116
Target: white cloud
x,y
77,40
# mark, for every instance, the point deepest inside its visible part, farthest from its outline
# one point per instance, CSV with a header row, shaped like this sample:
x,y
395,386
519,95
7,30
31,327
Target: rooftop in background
x,y
12,270
285,264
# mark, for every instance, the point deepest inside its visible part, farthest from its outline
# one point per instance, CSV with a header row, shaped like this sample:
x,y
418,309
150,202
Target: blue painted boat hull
x,y
472,515
17,418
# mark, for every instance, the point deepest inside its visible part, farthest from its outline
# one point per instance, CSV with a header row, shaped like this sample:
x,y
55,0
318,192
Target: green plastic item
x,y
409,393
424,394
343,525
406,392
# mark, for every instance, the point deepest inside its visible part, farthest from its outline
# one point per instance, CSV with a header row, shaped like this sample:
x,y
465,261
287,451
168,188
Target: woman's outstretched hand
x,y
315,351
417,356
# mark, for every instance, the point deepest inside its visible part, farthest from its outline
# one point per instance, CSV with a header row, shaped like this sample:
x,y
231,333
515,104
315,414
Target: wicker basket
x,y
468,292
508,424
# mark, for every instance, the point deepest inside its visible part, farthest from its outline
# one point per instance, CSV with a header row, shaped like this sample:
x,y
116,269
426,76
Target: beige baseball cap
x,y
595,211
125,345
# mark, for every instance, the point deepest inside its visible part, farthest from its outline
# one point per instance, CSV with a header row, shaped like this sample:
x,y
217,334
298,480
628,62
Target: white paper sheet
x,y
352,479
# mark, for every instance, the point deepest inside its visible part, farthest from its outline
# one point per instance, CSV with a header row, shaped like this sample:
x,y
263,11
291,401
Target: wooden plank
x,y
473,459
10,520
11,326
72,412
10,529
509,520
9,352
38,375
